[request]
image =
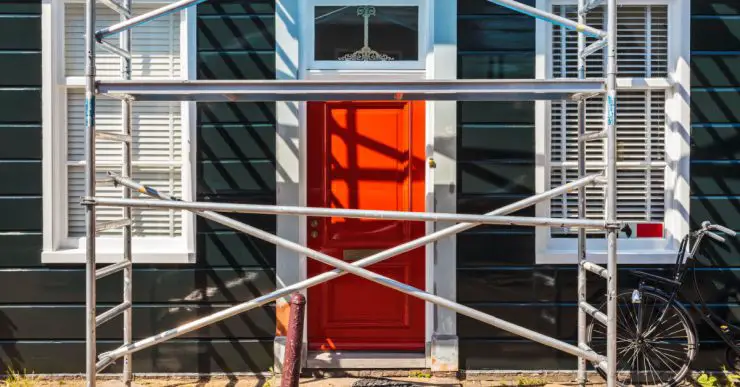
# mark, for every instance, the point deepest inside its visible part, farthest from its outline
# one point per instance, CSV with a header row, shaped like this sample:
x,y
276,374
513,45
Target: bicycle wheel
x,y
661,354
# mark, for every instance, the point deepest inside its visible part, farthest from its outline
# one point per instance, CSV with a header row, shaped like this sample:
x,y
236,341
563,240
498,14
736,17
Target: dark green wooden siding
x,y
235,163
20,134
496,266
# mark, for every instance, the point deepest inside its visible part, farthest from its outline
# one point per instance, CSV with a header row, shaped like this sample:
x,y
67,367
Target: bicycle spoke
x,y
660,356
666,357
654,370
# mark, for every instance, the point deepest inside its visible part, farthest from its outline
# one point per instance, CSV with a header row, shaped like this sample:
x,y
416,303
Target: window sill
x,y
173,256
624,256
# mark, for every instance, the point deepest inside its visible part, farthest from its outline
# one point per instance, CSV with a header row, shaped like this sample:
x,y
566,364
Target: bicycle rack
x,y
307,90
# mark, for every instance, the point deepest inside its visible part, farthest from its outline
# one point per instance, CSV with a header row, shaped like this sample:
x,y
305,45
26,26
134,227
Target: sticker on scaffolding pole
x,y
89,112
610,110
641,230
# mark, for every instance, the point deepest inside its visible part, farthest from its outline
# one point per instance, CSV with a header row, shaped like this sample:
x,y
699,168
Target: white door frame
x,y
438,52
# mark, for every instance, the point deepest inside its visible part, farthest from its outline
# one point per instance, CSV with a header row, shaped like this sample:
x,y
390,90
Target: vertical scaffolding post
x,y
126,113
611,191
90,293
581,198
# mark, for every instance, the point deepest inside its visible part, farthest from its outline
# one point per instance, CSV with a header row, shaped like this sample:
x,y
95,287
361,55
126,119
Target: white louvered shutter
x,y
155,45
642,45
157,128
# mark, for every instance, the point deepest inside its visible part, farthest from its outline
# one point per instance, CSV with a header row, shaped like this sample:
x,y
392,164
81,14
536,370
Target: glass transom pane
x,y
366,33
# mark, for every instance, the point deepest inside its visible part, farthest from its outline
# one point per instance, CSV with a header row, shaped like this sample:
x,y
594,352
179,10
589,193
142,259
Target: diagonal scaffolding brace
x,y
356,268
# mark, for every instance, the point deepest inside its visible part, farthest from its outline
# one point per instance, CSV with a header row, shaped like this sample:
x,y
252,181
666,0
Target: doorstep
x,y
365,360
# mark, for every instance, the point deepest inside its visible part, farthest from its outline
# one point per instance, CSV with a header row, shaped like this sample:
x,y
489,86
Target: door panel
x,y
366,155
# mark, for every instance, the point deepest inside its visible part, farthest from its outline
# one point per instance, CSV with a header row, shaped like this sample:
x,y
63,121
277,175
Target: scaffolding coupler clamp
x,y
87,201
614,226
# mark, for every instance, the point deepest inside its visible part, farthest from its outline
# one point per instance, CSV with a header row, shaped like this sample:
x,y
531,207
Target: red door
x,y
366,155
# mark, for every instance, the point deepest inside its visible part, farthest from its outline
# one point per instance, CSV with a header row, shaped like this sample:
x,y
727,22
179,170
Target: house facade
x,y
677,115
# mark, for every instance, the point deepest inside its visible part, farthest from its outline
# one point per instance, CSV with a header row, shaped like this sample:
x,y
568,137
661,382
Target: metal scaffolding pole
x,y
128,271
581,199
353,90
551,18
611,191
90,293
354,268
147,17
345,213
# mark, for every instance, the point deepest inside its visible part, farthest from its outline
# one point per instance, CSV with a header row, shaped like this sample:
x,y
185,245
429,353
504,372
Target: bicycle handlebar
x,y
715,236
706,226
723,229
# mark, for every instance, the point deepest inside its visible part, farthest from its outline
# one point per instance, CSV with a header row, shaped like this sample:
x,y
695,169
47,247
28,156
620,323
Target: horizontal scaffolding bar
x,y
111,313
111,269
593,47
592,136
348,213
550,17
593,312
109,357
334,90
113,136
116,7
103,226
596,269
110,47
146,17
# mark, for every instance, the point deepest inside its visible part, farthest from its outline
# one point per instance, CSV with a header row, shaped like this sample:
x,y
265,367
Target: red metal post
x,y
294,342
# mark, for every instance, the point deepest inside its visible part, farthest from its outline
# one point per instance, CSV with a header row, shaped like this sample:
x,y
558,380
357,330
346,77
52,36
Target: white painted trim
x,y
290,267
677,84
308,36
292,62
57,248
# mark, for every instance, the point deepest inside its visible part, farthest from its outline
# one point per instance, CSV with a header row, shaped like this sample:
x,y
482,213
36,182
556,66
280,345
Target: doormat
x,y
370,382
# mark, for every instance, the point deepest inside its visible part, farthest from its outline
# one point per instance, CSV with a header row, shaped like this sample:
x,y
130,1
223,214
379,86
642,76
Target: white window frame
x,y
629,251
308,36
57,246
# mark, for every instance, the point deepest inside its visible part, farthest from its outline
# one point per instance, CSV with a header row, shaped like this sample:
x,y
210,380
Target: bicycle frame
x,y
686,253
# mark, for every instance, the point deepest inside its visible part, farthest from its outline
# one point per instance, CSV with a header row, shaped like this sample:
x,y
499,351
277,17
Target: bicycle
x,y
656,337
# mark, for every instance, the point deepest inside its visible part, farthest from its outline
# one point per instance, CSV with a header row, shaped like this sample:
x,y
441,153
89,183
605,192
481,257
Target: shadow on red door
x,y
366,155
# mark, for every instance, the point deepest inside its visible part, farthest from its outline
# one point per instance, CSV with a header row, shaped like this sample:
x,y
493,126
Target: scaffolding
x,y
129,91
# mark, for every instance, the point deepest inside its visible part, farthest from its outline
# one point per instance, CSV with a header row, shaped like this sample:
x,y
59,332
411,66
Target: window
x,y
161,136
357,34
651,142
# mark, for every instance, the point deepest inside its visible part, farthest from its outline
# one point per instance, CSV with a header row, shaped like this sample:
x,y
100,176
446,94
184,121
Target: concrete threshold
x,y
365,360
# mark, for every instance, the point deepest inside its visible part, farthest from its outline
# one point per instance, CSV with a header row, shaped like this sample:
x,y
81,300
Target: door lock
x,y
314,223
314,234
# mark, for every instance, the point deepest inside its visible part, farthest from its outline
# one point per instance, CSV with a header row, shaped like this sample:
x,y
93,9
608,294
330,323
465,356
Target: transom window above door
x,y
365,35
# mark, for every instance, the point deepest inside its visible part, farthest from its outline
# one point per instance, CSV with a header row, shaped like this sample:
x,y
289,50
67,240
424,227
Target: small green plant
x,y
272,381
14,378
529,381
706,380
731,377
420,375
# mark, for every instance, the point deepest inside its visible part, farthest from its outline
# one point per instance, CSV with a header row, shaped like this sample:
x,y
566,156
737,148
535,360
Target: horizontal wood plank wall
x,y
496,269
20,135
235,163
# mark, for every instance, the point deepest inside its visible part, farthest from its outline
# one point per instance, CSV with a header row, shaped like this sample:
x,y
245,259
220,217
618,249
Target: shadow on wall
x,y
11,358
